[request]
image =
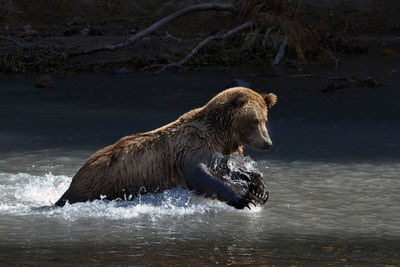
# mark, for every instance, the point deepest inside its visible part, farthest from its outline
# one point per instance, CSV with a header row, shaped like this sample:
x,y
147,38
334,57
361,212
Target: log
x,y
155,26
281,53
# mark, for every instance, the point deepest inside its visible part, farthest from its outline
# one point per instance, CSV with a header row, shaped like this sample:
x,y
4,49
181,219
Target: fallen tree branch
x,y
267,33
155,26
196,49
281,53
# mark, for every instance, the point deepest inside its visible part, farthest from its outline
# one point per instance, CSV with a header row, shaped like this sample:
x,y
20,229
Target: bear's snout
x,y
261,144
267,144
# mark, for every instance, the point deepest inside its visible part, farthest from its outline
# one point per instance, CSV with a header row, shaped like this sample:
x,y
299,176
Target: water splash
x,y
234,167
236,162
25,194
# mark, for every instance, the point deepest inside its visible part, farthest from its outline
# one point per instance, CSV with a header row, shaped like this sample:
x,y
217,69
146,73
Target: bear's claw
x,y
245,198
259,191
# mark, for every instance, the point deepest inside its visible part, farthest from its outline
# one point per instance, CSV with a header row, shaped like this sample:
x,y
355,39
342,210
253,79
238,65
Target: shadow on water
x,y
332,174
91,111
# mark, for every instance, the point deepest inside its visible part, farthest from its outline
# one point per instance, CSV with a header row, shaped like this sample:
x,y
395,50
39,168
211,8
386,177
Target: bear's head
x,y
242,114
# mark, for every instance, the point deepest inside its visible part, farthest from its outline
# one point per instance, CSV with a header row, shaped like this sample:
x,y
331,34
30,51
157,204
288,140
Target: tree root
x,y
155,26
196,49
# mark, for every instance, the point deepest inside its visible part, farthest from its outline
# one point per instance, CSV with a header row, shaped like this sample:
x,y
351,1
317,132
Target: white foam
x,y
24,194
236,161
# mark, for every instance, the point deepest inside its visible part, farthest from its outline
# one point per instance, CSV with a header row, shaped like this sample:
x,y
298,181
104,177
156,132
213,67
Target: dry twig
x,y
196,49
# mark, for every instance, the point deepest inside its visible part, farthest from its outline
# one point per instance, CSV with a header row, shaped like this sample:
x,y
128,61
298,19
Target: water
x,y
309,202
333,178
325,198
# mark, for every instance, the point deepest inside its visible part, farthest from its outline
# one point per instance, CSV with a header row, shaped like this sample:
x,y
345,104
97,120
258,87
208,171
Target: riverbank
x,y
42,38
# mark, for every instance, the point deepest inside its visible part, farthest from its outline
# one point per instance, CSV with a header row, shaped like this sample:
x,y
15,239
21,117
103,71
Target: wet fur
x,y
154,161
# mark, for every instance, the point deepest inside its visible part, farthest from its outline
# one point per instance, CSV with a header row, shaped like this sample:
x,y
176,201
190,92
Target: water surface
x,y
333,177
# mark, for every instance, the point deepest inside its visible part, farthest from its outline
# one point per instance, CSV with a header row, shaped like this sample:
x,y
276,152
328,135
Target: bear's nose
x,y
267,144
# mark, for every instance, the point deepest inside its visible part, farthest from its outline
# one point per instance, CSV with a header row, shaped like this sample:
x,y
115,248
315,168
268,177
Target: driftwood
x,y
267,33
155,26
196,49
281,53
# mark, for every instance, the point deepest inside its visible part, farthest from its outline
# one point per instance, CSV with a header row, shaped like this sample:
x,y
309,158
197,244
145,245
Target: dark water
x,y
333,175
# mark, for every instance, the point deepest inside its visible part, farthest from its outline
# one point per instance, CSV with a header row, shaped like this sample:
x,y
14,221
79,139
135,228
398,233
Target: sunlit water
x,y
306,198
308,201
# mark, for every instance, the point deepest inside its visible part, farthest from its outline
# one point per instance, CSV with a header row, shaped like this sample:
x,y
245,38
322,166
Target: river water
x,y
333,175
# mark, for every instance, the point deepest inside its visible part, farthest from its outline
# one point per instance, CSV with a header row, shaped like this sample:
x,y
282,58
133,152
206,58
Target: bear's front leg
x,y
200,179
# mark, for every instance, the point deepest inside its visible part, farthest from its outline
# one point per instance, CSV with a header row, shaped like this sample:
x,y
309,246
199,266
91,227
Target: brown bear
x,y
179,153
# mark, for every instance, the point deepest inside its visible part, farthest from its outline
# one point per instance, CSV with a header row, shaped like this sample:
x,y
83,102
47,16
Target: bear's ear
x,y
240,100
270,99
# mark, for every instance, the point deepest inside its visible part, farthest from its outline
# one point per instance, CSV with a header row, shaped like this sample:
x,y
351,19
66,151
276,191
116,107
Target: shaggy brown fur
x,y
154,161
